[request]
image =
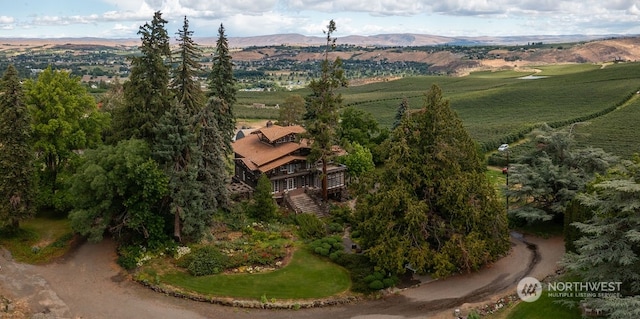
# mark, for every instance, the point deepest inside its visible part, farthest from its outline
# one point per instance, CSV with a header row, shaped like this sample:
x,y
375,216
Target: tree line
x,y
149,165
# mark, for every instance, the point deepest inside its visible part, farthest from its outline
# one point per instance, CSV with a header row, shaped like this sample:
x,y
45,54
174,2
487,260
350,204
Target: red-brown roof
x,y
281,161
275,132
257,154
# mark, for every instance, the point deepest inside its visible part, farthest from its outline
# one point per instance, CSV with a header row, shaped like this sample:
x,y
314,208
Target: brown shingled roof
x,y
275,132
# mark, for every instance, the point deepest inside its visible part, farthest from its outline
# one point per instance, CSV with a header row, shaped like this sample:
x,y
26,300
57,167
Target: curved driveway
x,y
88,285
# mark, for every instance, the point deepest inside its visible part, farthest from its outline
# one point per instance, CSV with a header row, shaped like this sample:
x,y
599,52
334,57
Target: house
x,y
281,154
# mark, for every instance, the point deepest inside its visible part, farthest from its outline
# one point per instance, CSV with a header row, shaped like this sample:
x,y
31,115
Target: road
x,y
89,284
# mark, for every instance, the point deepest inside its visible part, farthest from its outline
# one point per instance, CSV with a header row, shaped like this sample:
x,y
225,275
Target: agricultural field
x,y
501,107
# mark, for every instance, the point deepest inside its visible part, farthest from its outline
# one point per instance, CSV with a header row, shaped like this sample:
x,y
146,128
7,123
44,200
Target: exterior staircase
x,y
303,203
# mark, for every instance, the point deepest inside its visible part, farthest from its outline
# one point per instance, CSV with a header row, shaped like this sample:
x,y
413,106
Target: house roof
x,y
275,132
257,154
281,161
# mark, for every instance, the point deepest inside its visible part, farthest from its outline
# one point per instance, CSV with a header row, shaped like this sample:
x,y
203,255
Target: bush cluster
x,y
204,261
331,247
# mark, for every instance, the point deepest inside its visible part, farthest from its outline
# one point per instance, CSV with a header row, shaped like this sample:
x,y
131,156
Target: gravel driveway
x,y
89,284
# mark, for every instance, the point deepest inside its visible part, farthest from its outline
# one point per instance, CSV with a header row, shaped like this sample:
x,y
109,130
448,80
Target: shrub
x,y
327,246
310,227
128,256
206,260
376,285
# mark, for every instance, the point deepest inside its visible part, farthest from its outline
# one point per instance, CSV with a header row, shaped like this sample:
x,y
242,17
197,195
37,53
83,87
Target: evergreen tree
x,y
222,86
432,207
323,105
147,94
212,170
65,119
609,249
552,175
184,84
16,154
176,150
263,207
402,109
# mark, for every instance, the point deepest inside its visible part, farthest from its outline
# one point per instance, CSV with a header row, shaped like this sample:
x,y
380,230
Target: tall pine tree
x,y
16,154
147,94
323,105
432,207
222,90
184,83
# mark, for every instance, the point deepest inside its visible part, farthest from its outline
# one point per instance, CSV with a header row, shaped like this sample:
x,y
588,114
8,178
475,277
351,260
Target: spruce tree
x,y
212,168
16,154
147,94
183,83
222,88
323,105
176,150
432,207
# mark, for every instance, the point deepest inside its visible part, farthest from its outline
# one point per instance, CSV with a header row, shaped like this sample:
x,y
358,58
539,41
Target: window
x,y
292,168
275,186
291,183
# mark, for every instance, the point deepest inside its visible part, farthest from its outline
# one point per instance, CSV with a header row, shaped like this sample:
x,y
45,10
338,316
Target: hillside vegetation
x,y
500,106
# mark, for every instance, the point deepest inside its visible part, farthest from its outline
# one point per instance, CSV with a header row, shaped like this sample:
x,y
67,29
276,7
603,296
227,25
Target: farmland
x,y
501,107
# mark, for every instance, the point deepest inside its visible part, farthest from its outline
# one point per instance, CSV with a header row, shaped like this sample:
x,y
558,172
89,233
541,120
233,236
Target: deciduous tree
x,y
432,207
17,170
117,189
65,120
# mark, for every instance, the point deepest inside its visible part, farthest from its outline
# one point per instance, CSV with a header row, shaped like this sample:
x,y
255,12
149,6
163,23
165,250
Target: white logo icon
x,y
529,289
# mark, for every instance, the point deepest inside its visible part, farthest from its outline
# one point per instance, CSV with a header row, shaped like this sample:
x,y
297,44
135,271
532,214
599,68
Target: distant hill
x,y
403,40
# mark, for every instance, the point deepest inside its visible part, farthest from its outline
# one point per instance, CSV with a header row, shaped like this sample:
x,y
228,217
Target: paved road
x,y
88,284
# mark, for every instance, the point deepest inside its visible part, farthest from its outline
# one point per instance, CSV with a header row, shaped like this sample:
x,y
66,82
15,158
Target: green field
x,y
500,107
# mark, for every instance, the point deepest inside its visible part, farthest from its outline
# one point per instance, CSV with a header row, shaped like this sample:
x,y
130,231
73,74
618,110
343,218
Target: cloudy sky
x,y
122,18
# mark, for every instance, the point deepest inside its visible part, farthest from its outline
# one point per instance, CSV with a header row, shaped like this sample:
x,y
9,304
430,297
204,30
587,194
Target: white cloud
x,y
6,20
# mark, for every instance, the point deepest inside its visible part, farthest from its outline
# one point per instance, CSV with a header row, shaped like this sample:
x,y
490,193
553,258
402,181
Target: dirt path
x,y
89,285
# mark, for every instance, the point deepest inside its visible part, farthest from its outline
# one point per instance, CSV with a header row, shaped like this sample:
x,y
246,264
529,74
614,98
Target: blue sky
x,y
122,18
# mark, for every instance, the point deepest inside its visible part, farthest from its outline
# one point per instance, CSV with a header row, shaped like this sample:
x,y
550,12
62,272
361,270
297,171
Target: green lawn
x,y
543,308
307,276
39,240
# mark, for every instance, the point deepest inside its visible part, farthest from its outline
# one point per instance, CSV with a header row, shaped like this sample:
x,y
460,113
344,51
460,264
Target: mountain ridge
x,y
294,39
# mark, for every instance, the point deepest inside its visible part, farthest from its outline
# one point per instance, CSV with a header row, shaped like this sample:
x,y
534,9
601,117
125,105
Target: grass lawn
x,y
543,308
39,240
306,276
